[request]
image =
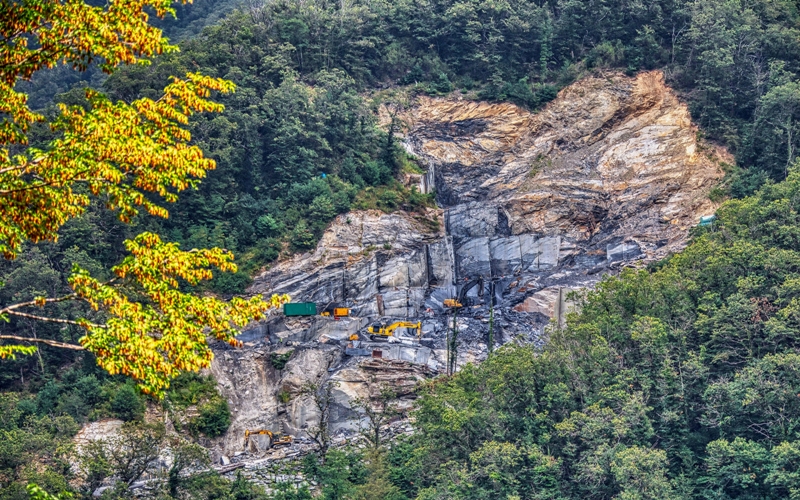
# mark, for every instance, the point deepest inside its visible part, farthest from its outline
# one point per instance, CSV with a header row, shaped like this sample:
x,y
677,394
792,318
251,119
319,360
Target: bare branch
x,y
34,302
12,169
53,343
322,396
55,320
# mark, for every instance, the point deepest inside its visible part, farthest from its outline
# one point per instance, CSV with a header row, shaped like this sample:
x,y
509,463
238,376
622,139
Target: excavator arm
x,y
462,296
405,324
248,433
461,300
388,331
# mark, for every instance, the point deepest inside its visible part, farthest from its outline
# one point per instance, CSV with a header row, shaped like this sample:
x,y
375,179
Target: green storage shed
x,y
300,309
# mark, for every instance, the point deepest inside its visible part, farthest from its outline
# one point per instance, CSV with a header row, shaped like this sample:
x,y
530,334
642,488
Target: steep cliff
x,y
609,174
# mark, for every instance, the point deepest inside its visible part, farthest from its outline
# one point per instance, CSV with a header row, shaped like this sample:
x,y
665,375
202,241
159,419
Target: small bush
x,y
540,163
322,208
409,165
415,75
73,405
190,389
214,418
305,193
523,93
230,283
418,202
606,55
89,389
302,238
268,250
47,398
267,225
127,404
343,199
376,173
432,225
284,396
26,407
388,201
440,85
546,93
279,360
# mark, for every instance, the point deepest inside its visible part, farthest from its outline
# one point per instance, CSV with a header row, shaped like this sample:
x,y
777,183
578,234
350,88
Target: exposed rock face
x,y
364,255
611,160
100,430
609,173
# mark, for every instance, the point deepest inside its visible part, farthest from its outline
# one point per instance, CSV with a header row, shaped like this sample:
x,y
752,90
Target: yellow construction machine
x,y
337,312
273,441
452,303
457,303
381,332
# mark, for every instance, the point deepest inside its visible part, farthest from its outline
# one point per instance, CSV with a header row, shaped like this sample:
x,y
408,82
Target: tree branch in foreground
x,y
39,301
53,343
84,324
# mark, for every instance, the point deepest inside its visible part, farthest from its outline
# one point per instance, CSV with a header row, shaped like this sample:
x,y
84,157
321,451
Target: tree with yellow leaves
x,y
122,154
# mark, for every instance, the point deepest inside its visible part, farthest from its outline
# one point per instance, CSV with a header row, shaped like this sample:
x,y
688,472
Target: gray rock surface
x,y
610,174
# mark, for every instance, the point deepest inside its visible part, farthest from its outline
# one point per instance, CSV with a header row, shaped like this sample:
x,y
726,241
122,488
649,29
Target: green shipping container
x,y
300,309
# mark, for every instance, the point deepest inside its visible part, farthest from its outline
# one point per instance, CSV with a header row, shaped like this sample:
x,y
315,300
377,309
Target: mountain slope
x,y
609,174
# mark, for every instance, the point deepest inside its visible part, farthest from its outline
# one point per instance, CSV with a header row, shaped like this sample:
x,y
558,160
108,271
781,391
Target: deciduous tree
x,y
127,155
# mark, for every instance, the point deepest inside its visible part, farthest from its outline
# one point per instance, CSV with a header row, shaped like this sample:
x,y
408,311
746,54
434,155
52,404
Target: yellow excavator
x,y
380,332
273,441
457,303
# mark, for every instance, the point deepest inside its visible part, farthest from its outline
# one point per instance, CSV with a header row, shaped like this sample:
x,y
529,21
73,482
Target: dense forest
x,y
676,381
309,75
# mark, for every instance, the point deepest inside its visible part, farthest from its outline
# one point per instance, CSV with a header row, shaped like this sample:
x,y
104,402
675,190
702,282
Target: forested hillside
x,y
303,69
308,74
189,20
679,381
676,381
